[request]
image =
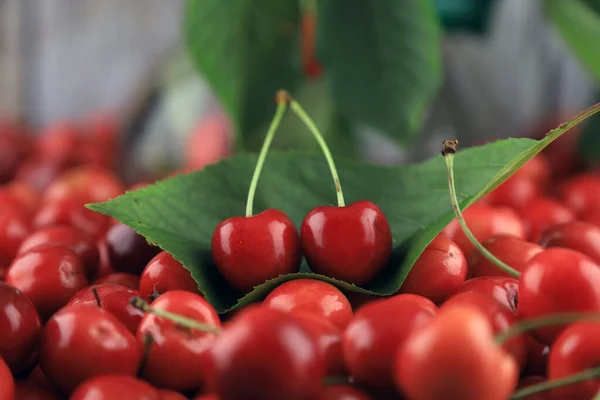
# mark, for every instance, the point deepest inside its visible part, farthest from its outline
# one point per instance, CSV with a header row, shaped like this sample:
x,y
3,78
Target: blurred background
x,y
161,85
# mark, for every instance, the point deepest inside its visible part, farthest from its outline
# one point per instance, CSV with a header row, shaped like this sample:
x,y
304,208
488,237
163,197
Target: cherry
x,y
357,299
537,357
26,390
265,353
7,383
170,395
576,235
370,341
455,357
576,349
15,225
20,327
503,289
49,275
312,296
89,183
58,142
38,378
582,193
128,250
164,273
131,281
39,174
343,392
485,221
517,191
511,250
209,141
14,146
104,266
175,354
438,271
542,213
109,387
558,280
250,250
21,195
114,299
80,342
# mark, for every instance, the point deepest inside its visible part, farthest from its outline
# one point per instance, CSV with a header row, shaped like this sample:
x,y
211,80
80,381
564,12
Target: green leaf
x,y
247,50
384,61
180,214
578,22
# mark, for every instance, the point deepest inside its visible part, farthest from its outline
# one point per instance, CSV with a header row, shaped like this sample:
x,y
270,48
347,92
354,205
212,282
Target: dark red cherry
x,y
15,225
512,250
49,275
20,327
164,273
27,390
128,250
131,281
542,213
38,378
351,243
250,250
7,382
503,289
438,271
537,357
576,235
104,265
582,193
312,296
343,392
112,387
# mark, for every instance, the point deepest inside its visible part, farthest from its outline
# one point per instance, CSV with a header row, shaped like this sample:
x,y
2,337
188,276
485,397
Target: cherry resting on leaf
x,y
164,273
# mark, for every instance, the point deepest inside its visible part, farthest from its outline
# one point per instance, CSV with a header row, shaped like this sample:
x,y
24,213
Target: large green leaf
x,y
384,61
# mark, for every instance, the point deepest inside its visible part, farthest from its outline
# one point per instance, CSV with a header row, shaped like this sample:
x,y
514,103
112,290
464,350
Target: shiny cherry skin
x,y
576,349
104,265
84,341
503,289
351,243
131,281
558,280
438,271
485,221
543,213
128,250
582,193
7,382
15,225
312,296
517,191
250,250
112,387
20,327
537,357
576,235
90,183
114,299
27,390
170,395
290,367
371,339
512,250
49,275
175,355
84,246
164,273
343,392
455,357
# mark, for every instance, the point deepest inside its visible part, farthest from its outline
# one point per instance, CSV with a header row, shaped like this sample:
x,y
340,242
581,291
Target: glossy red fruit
x,y
114,299
485,221
371,339
537,169
438,271
38,378
582,193
175,356
170,395
251,250
576,349
26,390
503,289
455,357
20,327
513,251
7,382
164,273
558,281
343,392
49,275
543,213
311,296
131,281
537,357
15,225
128,250
290,367
81,244
112,387
81,342
104,266
576,235
89,183
21,195
351,243
517,191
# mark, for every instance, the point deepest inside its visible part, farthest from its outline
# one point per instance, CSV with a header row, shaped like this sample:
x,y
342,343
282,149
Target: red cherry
x,y
39,174
370,341
312,296
26,390
67,236
503,289
343,392
89,183
455,357
20,327
59,142
537,357
104,266
485,221
170,395
576,349
542,213
131,281
537,169
38,378
175,356
164,273
81,342
512,250
582,193
555,281
49,275
250,250
15,225
21,195
351,243
576,235
7,383
14,147
290,366
111,387
357,300
114,299
438,271
128,250
517,191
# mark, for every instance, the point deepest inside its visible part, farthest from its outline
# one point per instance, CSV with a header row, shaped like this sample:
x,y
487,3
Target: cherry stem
x,y
541,322
96,297
141,304
282,103
448,151
556,383
312,127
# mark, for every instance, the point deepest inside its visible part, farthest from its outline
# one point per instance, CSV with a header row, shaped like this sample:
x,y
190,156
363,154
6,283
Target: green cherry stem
x,y
310,124
282,103
141,304
448,151
556,383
